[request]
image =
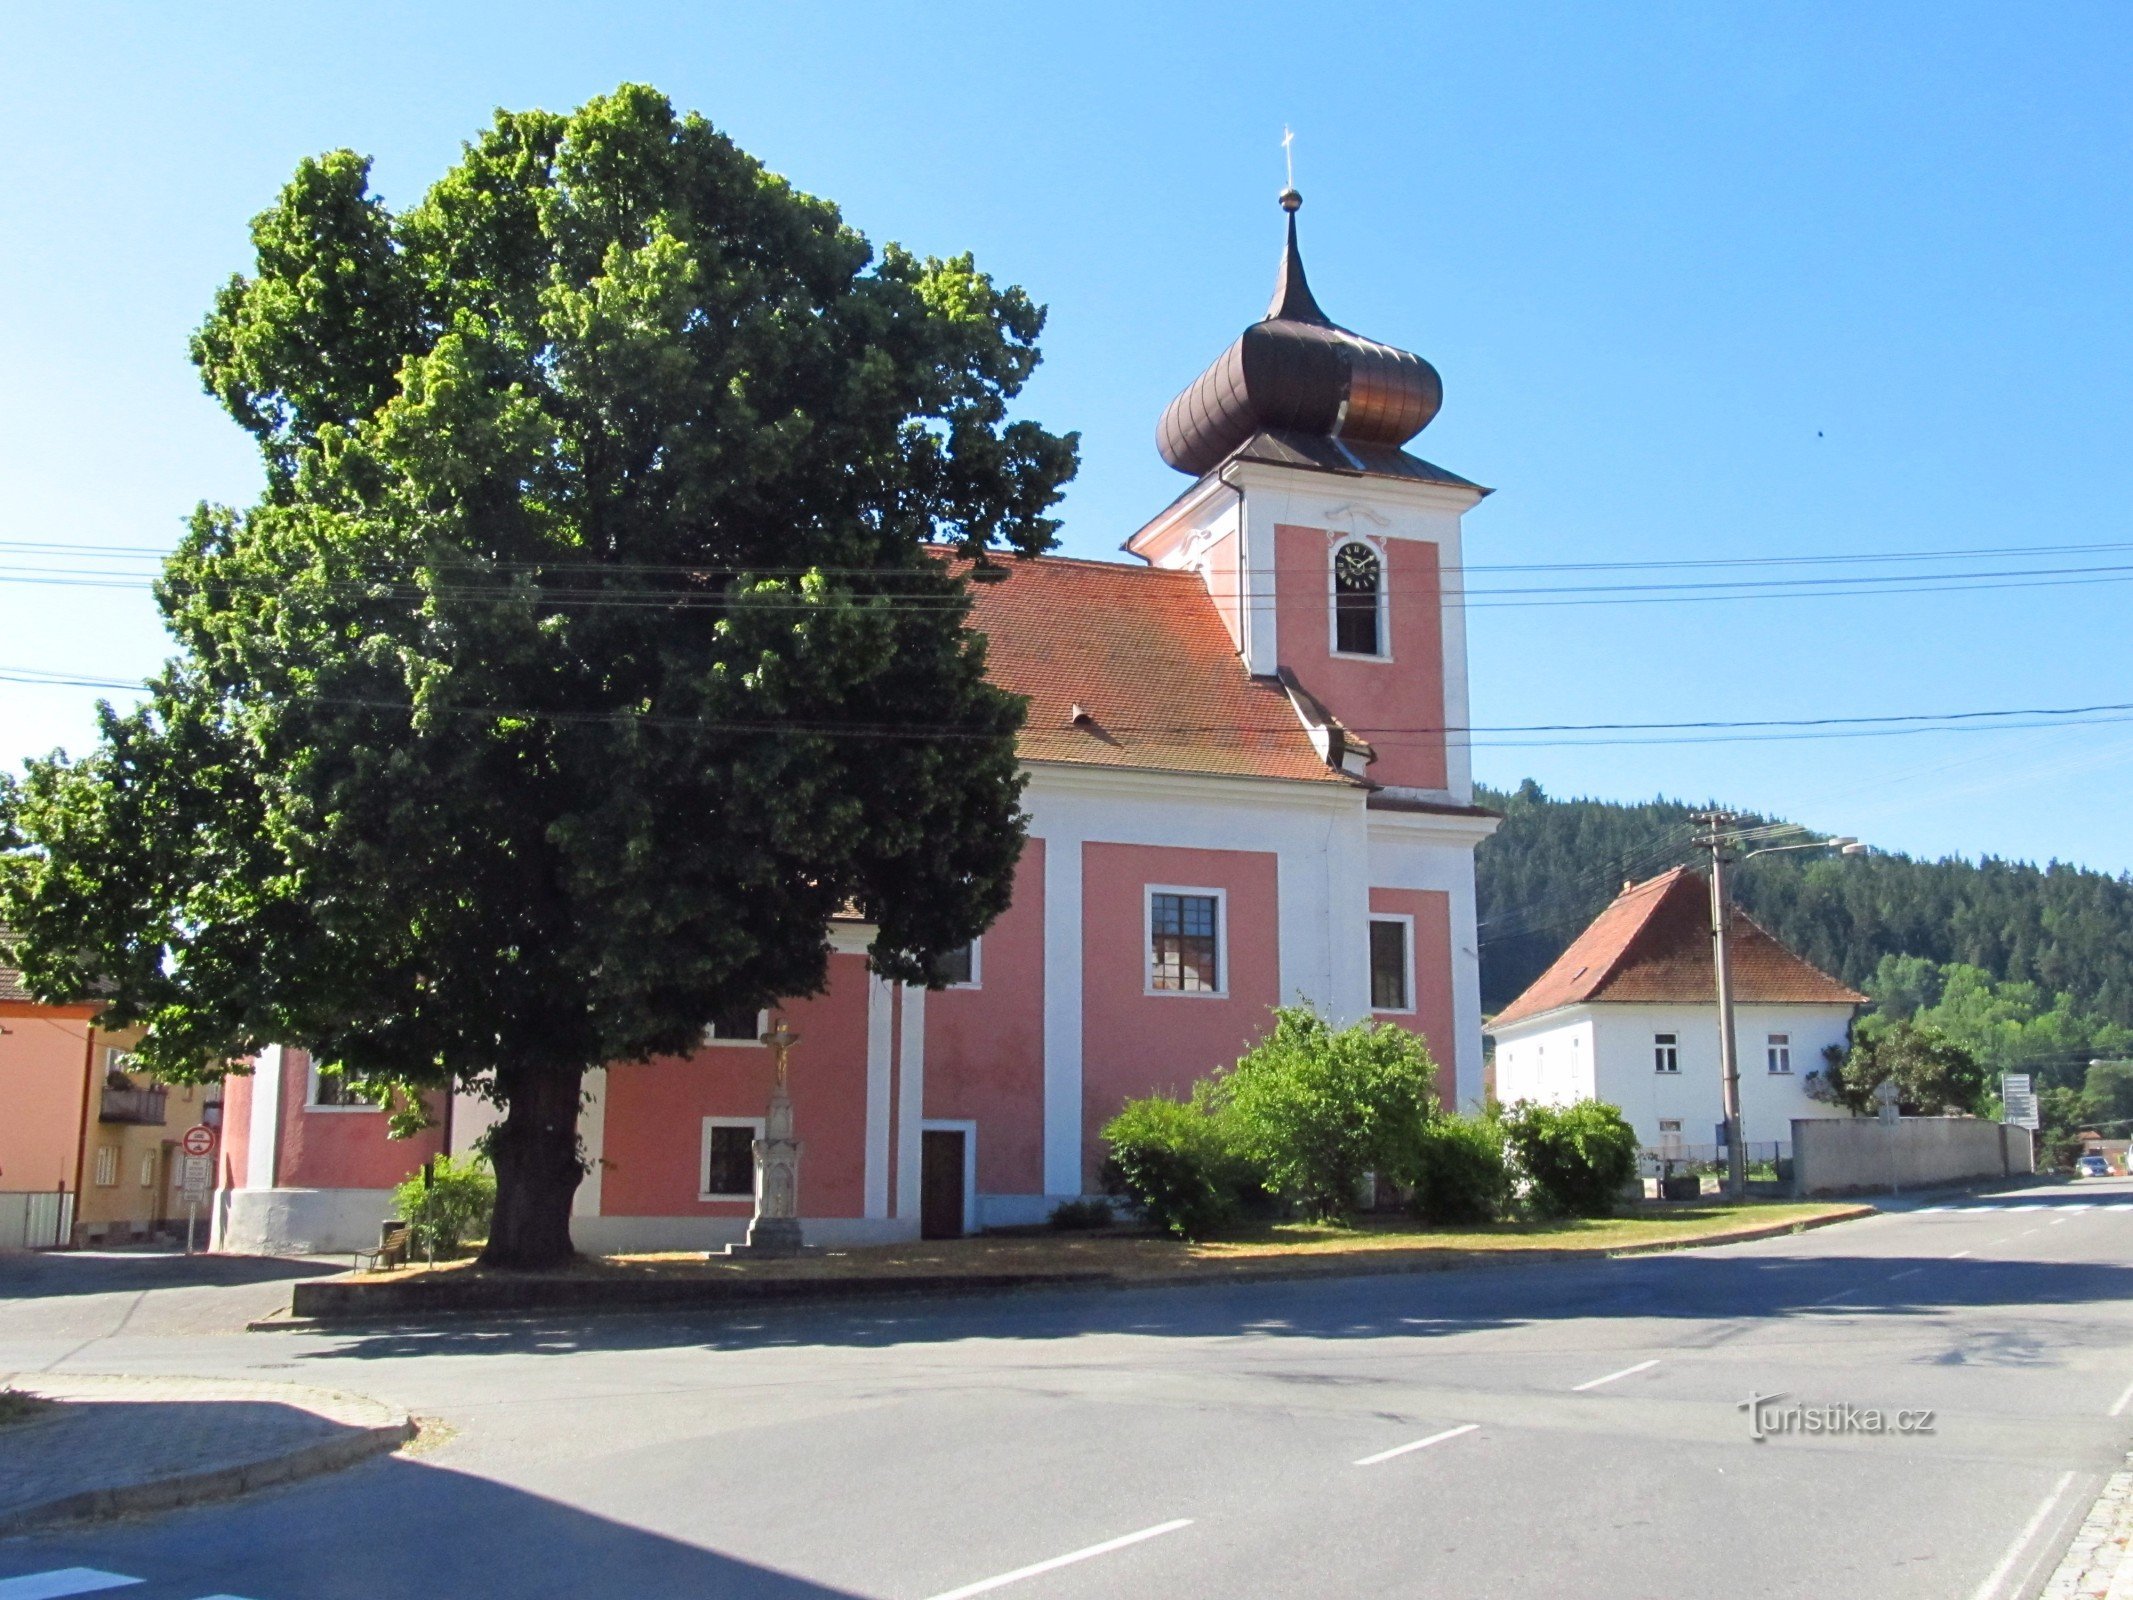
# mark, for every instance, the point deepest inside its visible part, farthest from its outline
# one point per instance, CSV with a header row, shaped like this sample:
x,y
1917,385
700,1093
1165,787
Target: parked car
x,y
2092,1167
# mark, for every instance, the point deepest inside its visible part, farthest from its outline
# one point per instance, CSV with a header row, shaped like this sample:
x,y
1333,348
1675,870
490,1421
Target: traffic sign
x,y
196,1175
1886,1097
2018,1099
199,1140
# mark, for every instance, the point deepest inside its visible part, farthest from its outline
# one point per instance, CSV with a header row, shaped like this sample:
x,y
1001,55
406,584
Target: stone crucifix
x,y
775,1228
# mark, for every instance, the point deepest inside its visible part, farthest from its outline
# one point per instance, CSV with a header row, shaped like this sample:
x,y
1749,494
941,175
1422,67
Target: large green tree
x,y
582,657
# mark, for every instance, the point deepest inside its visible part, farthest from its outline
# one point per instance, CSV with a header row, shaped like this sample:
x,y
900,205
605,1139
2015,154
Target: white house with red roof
x,y
1248,786
1629,1014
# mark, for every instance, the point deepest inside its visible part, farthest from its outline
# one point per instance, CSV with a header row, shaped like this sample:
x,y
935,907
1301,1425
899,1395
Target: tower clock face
x,y
1355,569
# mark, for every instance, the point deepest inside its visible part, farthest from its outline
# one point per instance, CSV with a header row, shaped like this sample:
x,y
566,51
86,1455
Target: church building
x,y
1248,787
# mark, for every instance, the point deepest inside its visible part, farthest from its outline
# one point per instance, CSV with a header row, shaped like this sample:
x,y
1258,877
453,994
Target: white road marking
x,y
1419,1444
63,1581
1909,1272
1594,1383
987,1585
1827,1298
1998,1575
1959,1255
2118,1406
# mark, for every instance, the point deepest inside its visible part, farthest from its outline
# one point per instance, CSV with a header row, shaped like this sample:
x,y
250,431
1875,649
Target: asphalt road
x,y
1551,1430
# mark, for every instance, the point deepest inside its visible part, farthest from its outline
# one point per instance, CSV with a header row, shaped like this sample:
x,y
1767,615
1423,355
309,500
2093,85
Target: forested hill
x,y
1554,863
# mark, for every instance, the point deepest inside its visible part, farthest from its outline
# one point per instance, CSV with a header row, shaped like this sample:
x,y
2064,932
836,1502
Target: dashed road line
x,y
1908,1272
1039,1568
1419,1444
1960,1255
1594,1383
2118,1406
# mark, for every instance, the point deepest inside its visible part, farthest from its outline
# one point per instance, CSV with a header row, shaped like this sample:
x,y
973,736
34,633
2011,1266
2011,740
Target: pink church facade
x,y
1248,786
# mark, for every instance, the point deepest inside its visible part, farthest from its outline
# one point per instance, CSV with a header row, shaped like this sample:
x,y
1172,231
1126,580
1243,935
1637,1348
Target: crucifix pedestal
x,y
775,1228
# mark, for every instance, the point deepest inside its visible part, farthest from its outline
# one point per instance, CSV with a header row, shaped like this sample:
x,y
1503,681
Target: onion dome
x,y
1296,371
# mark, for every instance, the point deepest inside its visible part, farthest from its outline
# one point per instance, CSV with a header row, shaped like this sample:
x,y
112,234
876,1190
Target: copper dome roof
x,y
1297,371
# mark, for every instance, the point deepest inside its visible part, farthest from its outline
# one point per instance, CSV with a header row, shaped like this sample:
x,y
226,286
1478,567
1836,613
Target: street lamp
x,y
1719,833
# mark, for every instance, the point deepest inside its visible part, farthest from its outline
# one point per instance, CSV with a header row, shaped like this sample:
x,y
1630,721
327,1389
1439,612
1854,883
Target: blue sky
x,y
1704,283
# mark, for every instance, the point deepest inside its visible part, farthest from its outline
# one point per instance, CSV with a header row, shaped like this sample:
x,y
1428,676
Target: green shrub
x,y
448,1207
1070,1216
1575,1158
1177,1162
1319,1109
1462,1173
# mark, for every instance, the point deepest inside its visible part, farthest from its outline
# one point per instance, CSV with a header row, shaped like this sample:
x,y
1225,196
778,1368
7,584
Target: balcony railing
x,y
144,1106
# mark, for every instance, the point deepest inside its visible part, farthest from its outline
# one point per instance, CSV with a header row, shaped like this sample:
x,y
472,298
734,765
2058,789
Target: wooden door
x,y
940,1189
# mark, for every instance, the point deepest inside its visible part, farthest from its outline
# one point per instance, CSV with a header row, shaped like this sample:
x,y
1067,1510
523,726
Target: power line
x,y
1674,563
1834,727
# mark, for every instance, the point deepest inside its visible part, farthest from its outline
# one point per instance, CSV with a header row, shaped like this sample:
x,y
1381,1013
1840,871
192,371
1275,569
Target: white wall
x,y
1605,1052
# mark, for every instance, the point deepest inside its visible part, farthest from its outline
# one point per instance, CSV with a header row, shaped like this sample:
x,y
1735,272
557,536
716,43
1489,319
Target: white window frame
x,y
148,1169
969,1130
107,1167
1381,550
1408,944
977,966
762,1026
1778,1047
703,1153
1670,1043
1221,898
311,1100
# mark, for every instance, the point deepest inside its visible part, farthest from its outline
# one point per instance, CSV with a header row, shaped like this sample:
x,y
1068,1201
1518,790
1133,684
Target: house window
x,y
729,1158
1780,1052
1666,1053
1358,600
959,968
1185,941
1391,975
332,1090
107,1166
737,1026
148,1169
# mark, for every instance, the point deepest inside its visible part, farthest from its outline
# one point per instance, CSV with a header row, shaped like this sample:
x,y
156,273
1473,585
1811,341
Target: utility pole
x,y
1715,841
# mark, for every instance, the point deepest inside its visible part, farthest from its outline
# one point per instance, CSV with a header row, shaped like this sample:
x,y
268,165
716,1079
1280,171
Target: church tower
x,y
1331,552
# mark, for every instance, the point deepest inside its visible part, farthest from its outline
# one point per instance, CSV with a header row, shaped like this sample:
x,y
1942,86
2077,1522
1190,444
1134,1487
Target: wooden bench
x,y
391,1252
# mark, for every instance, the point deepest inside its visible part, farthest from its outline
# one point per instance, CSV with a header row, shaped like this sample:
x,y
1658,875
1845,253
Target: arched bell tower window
x,y
1358,600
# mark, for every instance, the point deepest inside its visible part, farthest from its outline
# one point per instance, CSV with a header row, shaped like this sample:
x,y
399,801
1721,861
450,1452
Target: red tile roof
x,y
1653,945
1143,652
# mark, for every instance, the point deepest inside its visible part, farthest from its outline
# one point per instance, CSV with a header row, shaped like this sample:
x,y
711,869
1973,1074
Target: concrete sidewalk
x,y
125,1444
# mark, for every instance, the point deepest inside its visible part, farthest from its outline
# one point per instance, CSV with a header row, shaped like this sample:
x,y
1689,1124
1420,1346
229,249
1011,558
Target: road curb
x,y
2099,1562
345,1449
323,1305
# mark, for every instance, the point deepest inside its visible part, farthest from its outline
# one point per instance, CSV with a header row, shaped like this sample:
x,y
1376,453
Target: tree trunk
x,y
535,1152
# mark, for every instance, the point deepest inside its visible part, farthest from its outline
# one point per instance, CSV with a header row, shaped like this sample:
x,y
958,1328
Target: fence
x,y
38,1219
1770,1158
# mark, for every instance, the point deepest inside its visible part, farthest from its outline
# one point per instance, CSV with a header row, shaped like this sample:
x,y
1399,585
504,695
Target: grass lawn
x,y
1121,1254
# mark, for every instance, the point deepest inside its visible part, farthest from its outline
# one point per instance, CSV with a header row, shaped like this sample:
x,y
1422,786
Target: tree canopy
x,y
583,655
